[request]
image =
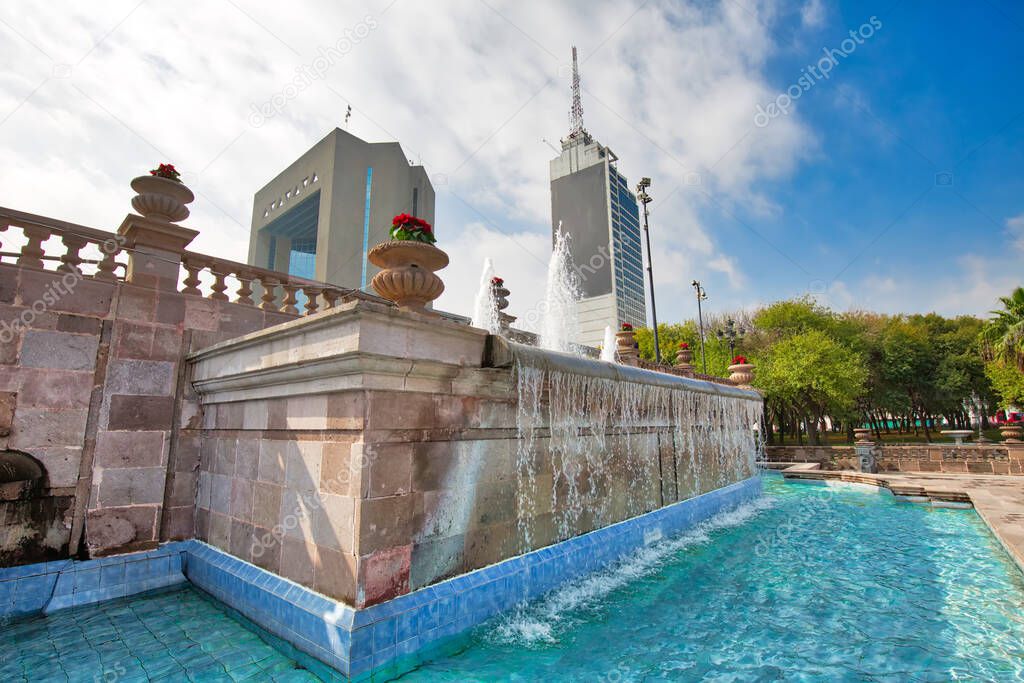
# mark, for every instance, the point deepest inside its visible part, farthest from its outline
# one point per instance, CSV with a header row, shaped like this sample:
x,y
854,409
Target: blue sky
x,y
932,95
892,185
868,217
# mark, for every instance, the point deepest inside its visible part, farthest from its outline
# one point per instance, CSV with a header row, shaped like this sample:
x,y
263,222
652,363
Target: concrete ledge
x,y
504,353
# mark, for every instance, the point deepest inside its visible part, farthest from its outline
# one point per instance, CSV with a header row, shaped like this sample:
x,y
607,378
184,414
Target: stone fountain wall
x,y
90,386
366,453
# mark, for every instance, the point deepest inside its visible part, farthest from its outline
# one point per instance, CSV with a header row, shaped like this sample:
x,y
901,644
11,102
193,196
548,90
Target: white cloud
x,y
812,14
467,89
970,286
520,259
1015,228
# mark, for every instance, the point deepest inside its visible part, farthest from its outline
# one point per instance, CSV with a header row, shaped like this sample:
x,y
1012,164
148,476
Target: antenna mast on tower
x,y
576,112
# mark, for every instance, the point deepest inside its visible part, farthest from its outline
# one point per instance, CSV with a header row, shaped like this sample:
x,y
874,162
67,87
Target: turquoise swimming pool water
x,y
176,635
811,583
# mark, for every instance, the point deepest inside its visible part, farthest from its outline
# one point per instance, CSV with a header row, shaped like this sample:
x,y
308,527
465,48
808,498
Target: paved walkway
x,y
999,499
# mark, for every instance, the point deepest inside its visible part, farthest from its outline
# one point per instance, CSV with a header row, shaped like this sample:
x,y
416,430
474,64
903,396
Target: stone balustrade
x,y
267,289
997,458
81,250
682,372
44,243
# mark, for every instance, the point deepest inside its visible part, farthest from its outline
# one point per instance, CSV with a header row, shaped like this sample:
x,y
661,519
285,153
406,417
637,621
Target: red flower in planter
x,y
407,227
684,345
626,327
166,171
739,360
497,281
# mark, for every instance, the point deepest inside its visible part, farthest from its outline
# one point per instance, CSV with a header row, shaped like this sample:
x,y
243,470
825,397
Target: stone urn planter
x,y
407,273
1011,433
741,374
684,361
625,347
501,294
161,198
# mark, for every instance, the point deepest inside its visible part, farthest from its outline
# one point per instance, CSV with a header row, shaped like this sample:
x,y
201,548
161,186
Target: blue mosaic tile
x,y
352,641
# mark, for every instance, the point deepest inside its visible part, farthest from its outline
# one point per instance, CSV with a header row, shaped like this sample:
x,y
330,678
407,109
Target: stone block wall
x,y
947,458
366,453
91,385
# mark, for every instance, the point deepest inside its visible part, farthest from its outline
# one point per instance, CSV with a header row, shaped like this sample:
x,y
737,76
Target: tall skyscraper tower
x,y
320,216
594,204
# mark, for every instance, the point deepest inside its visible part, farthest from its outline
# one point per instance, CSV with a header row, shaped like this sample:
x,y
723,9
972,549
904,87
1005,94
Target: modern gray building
x,y
594,205
320,216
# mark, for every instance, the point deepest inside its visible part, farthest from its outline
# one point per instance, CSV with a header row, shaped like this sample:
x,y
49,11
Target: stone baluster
x,y
71,259
105,269
32,253
245,279
331,297
219,285
269,293
312,296
192,267
289,301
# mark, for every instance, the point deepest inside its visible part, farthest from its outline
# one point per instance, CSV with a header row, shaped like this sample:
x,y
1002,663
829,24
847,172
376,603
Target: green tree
x,y
1007,381
813,375
669,337
1003,335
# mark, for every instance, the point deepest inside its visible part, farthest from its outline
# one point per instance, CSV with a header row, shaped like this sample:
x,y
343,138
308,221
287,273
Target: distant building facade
x,y
594,205
320,216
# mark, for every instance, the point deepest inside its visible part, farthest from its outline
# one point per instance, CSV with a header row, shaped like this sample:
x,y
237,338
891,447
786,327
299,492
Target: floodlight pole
x,y
701,296
645,199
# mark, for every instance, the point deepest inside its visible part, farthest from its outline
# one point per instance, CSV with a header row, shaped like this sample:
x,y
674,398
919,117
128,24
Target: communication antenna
x,y
576,112
348,115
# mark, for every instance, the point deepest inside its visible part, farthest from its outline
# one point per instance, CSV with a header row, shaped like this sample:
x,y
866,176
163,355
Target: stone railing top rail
x,y
503,353
36,230
680,372
23,219
896,446
204,275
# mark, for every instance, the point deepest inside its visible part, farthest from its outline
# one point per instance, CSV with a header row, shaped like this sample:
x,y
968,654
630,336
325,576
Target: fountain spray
x,y
559,323
485,307
608,350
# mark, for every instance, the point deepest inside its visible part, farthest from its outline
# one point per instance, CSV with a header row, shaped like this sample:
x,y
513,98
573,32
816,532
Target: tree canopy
x,y
819,368
1004,333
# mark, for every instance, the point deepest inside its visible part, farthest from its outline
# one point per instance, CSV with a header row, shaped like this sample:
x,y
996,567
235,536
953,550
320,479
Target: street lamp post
x,y
701,296
645,199
730,332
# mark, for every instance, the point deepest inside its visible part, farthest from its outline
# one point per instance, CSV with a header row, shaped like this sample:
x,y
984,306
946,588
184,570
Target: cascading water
x,y
620,448
485,307
608,349
559,320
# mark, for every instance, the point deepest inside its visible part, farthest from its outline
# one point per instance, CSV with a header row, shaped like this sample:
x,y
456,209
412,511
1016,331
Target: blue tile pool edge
x,y
360,642
50,586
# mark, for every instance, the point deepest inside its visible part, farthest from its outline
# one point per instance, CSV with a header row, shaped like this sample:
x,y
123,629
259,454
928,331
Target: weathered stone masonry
x,y
93,386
